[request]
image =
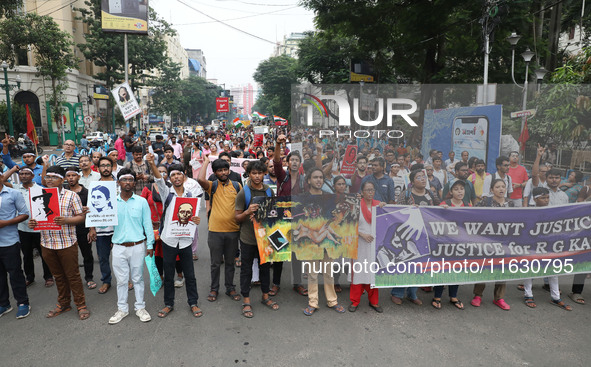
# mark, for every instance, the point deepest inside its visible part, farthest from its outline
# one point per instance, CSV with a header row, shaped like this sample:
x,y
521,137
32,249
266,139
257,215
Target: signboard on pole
x,y
222,105
126,101
524,113
124,16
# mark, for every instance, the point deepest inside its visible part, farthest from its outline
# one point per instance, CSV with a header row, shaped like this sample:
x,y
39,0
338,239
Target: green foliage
x,y
146,53
564,107
19,117
9,7
53,50
275,77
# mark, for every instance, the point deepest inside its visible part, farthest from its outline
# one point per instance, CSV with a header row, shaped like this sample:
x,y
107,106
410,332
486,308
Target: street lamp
x,y
8,87
540,74
527,55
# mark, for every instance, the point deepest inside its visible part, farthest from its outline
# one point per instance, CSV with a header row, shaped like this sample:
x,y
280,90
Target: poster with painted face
x,y
102,204
179,223
44,204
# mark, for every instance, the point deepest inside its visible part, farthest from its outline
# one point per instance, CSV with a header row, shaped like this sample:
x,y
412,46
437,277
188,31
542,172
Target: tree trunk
x,y
553,37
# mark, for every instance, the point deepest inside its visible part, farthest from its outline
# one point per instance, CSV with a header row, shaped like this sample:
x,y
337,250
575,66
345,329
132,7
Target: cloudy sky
x,y
232,54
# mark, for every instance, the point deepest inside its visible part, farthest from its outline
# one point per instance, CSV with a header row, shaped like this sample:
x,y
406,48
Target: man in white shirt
x,y
502,164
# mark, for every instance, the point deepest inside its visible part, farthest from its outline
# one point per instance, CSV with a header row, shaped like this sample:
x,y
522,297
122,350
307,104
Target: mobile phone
x,y
470,133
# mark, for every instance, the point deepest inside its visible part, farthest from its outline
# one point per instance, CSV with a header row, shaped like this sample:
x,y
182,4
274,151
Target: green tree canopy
x,y
275,77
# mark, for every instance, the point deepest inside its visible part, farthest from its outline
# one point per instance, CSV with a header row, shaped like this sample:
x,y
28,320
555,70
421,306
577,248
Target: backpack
x,y
248,195
287,180
214,187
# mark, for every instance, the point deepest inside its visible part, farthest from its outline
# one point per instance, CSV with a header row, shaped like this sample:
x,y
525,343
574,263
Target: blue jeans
x,y
411,292
128,156
453,291
103,250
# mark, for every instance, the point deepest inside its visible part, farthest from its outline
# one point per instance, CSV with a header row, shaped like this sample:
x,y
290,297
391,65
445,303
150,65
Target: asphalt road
x,y
402,335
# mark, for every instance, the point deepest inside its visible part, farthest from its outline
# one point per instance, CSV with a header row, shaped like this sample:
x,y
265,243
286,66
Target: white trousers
x,y
129,262
552,281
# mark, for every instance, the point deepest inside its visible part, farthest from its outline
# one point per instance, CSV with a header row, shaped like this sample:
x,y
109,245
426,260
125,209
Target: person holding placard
x,y
60,248
175,246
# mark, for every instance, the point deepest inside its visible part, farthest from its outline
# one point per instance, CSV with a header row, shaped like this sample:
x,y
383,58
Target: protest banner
x,y
126,101
272,227
102,204
44,205
420,246
349,160
179,218
324,223
297,147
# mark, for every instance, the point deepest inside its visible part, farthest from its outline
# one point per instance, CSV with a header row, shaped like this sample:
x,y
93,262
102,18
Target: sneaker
x,y
179,282
476,301
143,315
502,304
117,317
5,310
23,311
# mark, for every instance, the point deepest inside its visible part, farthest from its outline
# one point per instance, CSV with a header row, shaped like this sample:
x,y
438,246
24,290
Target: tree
x,y
53,50
166,97
275,76
9,7
19,116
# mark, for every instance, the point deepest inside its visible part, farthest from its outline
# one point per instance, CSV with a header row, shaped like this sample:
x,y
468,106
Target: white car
x,y
96,137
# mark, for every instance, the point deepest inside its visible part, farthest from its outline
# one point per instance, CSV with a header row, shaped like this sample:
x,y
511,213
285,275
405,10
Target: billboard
x,y
124,16
222,104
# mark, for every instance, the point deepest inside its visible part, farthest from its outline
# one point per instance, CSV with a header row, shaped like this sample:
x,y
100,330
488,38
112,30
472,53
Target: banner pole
x,y
126,67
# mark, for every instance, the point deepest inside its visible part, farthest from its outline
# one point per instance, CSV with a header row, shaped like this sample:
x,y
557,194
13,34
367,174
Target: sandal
x,y
520,287
129,286
577,298
416,301
436,303
196,311
212,296
301,290
459,305
309,311
274,290
270,303
238,263
104,288
338,288
397,300
247,313
561,304
338,308
233,295
49,282
165,311
58,310
376,308
83,313
529,302
91,284
353,308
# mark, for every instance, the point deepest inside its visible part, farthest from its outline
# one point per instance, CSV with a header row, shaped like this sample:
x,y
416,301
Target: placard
x,y
180,224
44,204
102,203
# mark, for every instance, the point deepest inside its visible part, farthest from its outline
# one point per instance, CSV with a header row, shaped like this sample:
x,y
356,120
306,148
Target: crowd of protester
x,y
150,174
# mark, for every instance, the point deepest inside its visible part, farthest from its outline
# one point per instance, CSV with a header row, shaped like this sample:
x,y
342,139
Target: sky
x,y
232,56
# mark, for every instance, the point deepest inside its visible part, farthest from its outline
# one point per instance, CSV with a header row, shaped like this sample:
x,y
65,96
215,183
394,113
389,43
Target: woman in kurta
x,y
360,281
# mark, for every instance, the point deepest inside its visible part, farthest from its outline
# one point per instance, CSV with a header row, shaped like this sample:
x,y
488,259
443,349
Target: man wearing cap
x,y
28,161
29,238
68,157
132,240
60,248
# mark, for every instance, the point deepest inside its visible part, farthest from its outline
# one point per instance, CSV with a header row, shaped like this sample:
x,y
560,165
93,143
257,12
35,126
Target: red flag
x,y
524,137
31,132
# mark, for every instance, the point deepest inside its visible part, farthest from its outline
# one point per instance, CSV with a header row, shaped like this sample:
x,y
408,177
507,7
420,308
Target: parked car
x,y
97,138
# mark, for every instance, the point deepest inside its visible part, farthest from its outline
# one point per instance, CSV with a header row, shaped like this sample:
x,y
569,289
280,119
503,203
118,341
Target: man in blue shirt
x,y
385,190
13,210
28,161
84,142
133,238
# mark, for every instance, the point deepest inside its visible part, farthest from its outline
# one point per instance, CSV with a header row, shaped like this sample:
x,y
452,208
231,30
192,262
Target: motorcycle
x,y
23,145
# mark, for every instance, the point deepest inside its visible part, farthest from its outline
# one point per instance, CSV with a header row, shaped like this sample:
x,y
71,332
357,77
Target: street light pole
x,y
7,87
527,57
